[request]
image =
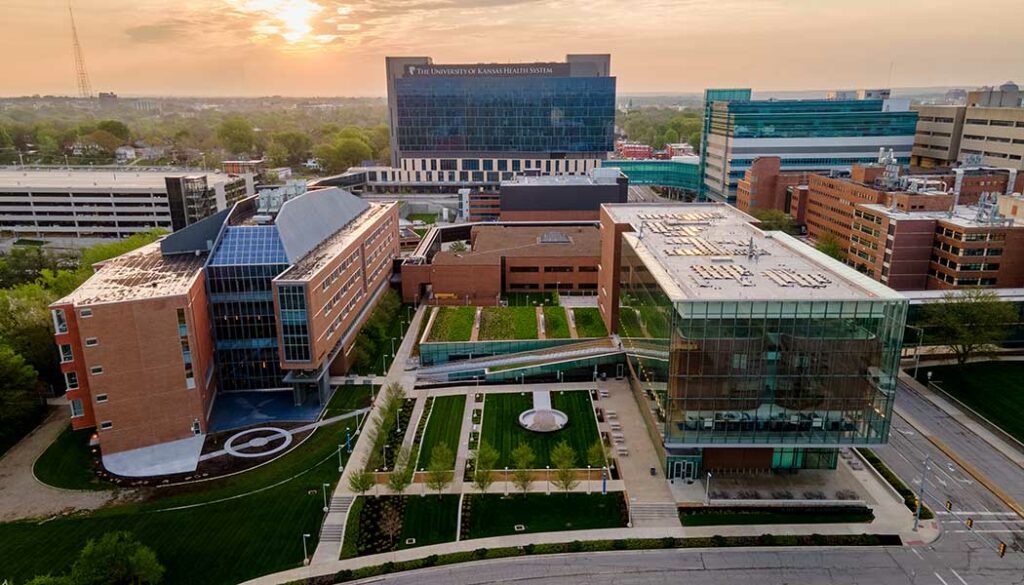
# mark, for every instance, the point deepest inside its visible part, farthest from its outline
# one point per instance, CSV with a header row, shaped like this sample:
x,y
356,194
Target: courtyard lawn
x,y
993,389
68,463
427,218
629,323
502,431
508,323
443,426
494,515
222,542
429,520
348,398
453,324
589,323
556,325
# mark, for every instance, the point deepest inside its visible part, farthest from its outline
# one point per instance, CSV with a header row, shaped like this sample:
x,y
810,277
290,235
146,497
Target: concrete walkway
x,y
23,496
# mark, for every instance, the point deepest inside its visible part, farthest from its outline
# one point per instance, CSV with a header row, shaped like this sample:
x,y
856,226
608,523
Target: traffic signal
x,y
1002,549
949,505
970,523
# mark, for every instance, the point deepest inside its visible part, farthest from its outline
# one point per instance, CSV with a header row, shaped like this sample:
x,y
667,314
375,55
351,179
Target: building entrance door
x,y
683,470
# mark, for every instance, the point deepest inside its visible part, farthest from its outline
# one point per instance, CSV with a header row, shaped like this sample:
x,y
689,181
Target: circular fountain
x,y
542,418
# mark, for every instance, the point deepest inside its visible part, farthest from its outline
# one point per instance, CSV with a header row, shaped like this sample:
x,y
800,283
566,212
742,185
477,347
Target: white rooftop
x,y
110,179
966,216
710,251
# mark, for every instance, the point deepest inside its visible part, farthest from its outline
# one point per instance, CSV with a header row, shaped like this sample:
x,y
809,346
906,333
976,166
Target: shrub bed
x,y
909,498
720,515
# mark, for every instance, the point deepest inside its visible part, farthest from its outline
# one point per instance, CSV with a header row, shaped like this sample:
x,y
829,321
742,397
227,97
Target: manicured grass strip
x,y
773,540
216,544
748,516
502,431
589,323
629,323
349,398
656,320
430,519
427,218
508,323
909,498
444,426
453,324
994,389
68,463
495,515
556,325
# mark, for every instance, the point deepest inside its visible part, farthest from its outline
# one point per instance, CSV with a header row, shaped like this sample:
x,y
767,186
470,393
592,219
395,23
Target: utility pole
x,y
921,491
81,76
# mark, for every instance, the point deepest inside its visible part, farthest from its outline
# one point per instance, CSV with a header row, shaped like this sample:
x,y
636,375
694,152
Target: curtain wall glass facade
x,y
800,377
505,114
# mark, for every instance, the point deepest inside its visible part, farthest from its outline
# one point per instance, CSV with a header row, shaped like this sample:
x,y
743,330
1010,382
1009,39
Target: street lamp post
x,y
305,552
327,486
398,419
506,481
921,490
384,452
392,347
917,350
548,467
588,478
348,439
341,465
707,490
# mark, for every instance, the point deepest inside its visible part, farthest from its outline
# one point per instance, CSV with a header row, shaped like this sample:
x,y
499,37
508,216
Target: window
x,y
558,269
85,312
739,361
197,429
65,353
71,380
91,342
101,398
96,369
523,269
106,425
588,269
60,323
76,408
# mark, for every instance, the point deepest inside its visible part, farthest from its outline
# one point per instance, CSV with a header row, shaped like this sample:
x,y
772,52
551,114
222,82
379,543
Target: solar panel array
x,y
696,246
248,245
785,277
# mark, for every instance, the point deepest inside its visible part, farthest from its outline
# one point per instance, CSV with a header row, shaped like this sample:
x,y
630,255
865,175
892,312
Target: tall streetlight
x,y
588,478
707,490
348,439
506,481
341,464
921,490
398,419
327,486
305,553
392,347
548,467
384,452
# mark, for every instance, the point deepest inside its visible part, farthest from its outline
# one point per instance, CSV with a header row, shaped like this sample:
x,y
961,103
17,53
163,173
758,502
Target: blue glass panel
x,y
245,245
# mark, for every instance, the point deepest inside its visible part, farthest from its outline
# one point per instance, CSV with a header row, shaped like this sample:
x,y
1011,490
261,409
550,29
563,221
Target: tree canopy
x,y
776,220
969,322
236,134
830,245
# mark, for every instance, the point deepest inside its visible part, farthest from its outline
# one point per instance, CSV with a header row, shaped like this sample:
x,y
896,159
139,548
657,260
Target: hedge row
x,y
909,498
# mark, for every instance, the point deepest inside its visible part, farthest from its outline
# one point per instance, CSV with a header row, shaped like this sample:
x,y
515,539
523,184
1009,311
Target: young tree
x,y
969,322
116,559
391,521
439,470
483,467
401,477
597,455
361,481
829,244
775,220
116,128
341,153
457,246
523,458
564,459
277,154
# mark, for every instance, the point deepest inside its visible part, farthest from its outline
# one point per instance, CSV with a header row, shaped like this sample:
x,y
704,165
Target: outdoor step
x,y
654,510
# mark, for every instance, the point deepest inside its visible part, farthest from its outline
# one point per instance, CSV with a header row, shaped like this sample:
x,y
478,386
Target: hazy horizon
x,y
334,48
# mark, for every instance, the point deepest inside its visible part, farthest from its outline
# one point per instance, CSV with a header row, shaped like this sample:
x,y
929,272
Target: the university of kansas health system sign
x,y
496,70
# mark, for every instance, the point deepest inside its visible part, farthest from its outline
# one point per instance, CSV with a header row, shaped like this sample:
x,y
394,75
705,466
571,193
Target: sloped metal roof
x,y
306,221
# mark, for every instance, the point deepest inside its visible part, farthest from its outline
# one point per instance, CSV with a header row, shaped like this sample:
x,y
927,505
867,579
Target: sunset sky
x,y
337,47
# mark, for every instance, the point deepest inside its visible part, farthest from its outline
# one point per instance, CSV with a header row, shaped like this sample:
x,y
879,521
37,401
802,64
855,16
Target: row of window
x,y
965,267
337,272
1002,123
947,247
951,279
970,237
553,269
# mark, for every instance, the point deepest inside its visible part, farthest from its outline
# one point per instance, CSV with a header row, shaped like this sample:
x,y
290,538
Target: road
x,y
833,566
643,194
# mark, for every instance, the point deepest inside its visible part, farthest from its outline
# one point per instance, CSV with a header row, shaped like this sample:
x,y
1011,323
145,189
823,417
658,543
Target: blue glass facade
x,y
809,119
484,114
239,276
664,173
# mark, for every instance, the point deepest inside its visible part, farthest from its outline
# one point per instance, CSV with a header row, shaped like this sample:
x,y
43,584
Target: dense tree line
x,y
660,126
31,278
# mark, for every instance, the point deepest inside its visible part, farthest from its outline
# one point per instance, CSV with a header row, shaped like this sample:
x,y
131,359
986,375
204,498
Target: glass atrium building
x,y
753,351
807,135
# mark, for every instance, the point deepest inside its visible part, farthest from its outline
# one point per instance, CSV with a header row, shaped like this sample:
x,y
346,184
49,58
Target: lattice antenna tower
x,y
81,76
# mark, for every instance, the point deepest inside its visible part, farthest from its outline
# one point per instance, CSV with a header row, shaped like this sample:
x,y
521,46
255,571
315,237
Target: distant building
x,y
242,167
751,350
124,154
504,258
988,130
267,295
62,203
547,198
765,186
486,122
806,135
634,150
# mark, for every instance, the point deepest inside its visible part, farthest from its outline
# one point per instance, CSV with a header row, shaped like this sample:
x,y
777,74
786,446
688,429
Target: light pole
x,y
707,490
384,452
341,465
348,439
588,478
921,491
506,481
305,553
548,467
327,486
398,419
392,347
917,351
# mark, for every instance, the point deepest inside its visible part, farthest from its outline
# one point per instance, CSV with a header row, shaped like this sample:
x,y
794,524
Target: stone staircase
x,y
332,530
655,514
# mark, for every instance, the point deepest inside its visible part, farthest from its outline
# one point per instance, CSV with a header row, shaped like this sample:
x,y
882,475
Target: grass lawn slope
x,y
443,426
589,323
508,323
993,389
